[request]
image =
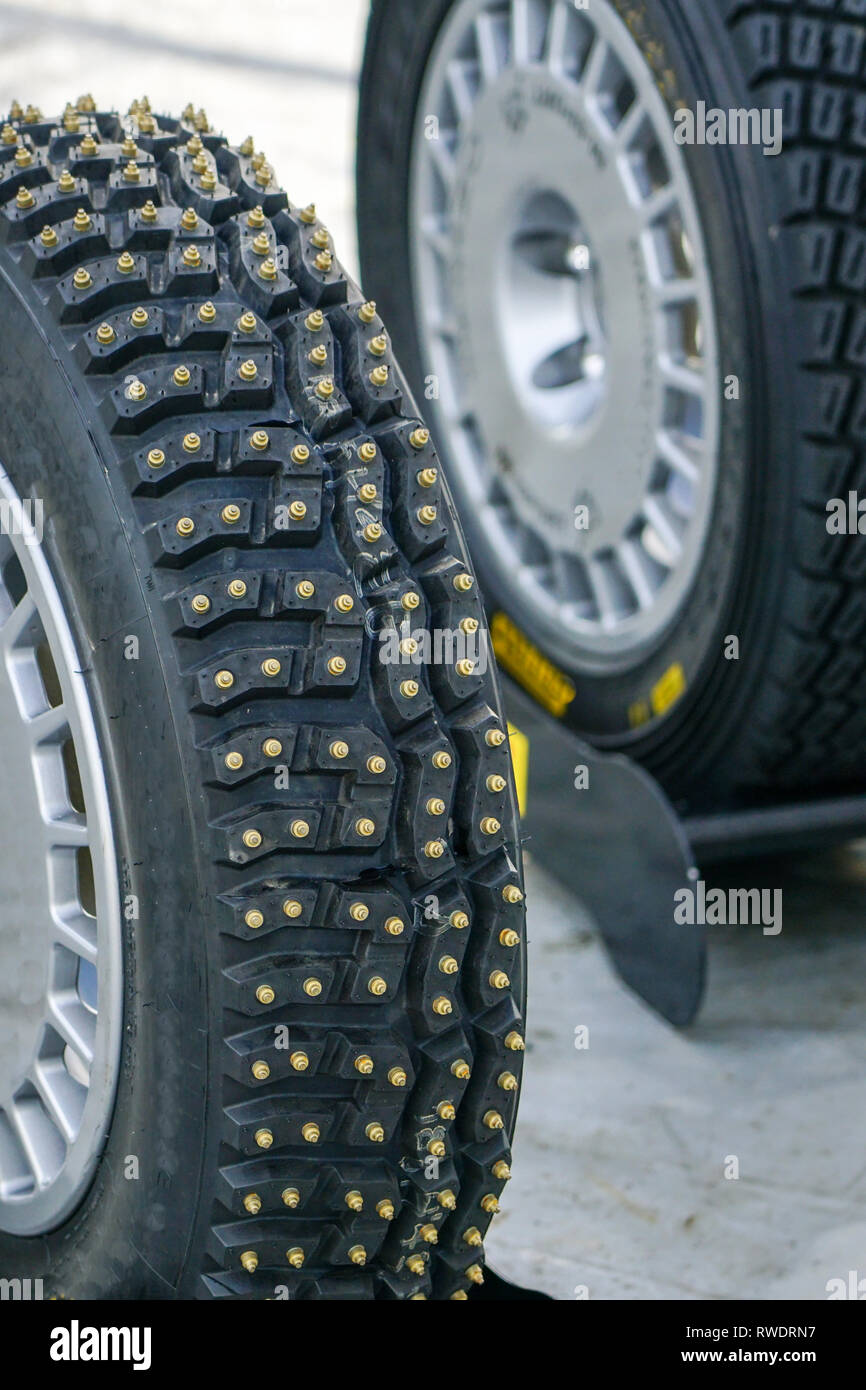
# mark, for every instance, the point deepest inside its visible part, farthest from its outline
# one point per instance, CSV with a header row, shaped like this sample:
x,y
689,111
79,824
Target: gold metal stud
x,y
442,1005
268,269
512,894
514,1042
300,829
129,149
507,1080
509,937
378,345
313,987
308,214
291,907
265,994
254,919
460,1069
8,135
298,510
181,376
82,281
191,441
397,1076
300,453
376,985
137,391
272,748
208,181
494,738
365,827
231,513
437,1148
105,334
89,148
415,1264
367,312
290,1197
237,589
358,1255
447,1199
325,388
256,217
459,919
435,806
324,262
264,176
315,320
469,625
260,1070
385,1209
427,477
261,244
253,1203
318,355
498,979
463,583
409,689
344,603
248,371
201,604
311,1132
250,1261
490,1203
374,1132
501,1170
305,589
394,926
354,1201
448,965
139,317
465,667
271,667
24,158
359,912
246,324
15,111
367,451
419,438
475,1273
459,1295
379,376
253,839
126,263
295,1256
81,221
367,492
364,1064
441,759
339,749
264,1138
224,679
376,764
260,440
427,515
48,237
473,1236
493,1120
320,237
192,258
33,115
434,849
156,458
445,1110
410,600
299,1061
490,825
132,173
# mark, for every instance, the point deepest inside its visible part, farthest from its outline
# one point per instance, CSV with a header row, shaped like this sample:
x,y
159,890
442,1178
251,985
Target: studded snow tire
x,y
313,804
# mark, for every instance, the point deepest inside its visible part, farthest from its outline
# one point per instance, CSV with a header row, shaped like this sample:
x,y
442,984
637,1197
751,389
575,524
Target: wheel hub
x,y
61,964
566,314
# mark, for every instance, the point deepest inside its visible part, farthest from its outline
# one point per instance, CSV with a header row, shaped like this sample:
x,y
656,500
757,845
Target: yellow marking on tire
x,y
518,744
529,667
670,688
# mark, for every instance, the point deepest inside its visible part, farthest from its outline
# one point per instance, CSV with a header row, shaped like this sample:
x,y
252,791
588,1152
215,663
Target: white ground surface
x,y
620,1188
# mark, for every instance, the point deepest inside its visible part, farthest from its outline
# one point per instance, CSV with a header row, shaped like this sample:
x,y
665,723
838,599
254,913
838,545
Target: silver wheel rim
x,y
566,320
61,958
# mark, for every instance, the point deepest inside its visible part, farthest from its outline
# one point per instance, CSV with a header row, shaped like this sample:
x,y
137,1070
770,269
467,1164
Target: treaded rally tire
x,y
787,250
325,978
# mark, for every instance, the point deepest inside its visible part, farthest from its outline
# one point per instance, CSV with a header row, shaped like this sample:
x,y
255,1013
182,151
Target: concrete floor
x,y
619,1188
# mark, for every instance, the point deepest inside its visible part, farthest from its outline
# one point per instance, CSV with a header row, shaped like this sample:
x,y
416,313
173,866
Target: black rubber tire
x,y
211,928
786,243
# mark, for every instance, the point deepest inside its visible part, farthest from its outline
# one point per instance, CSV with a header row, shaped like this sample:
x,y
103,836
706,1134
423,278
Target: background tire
x,y
316,848
784,245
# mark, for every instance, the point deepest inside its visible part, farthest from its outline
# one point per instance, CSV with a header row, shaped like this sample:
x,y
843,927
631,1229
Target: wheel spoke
x,y
23,616
47,726
665,531
633,560
486,47
520,33
594,70
70,832
461,92
682,378
62,1097
676,456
